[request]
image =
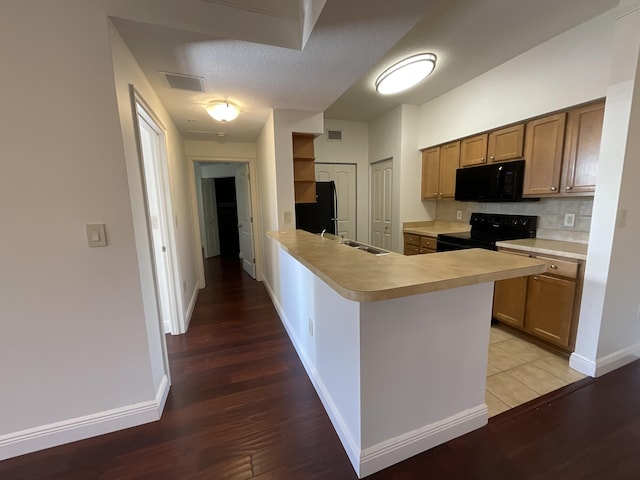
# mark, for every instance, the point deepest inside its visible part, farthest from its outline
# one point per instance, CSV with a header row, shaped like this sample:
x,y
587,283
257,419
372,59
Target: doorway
x,y
153,158
381,175
225,212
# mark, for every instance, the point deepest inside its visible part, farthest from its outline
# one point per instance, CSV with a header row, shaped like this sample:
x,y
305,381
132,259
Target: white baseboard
x,y
380,456
351,447
606,364
192,304
80,428
394,450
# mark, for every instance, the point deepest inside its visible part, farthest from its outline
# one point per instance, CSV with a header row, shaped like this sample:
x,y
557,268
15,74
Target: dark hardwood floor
x,y
241,407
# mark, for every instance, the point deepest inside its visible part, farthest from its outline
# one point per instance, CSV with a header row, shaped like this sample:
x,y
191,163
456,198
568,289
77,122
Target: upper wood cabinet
x,y
439,165
473,150
304,175
543,146
449,163
430,173
506,143
582,148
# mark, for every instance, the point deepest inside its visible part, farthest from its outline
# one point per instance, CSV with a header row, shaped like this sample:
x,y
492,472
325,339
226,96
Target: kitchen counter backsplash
x,y
550,212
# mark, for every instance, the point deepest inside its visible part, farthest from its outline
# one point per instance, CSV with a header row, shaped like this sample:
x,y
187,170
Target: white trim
x,y
605,364
391,451
192,305
582,364
396,449
350,445
80,428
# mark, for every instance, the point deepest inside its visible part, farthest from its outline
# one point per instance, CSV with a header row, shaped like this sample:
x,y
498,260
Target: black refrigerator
x,y
319,216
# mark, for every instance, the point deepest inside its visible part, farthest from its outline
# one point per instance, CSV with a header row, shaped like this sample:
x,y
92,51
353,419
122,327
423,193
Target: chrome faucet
x,y
322,233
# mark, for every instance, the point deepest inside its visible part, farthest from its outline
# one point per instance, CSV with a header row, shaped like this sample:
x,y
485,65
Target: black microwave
x,y
496,182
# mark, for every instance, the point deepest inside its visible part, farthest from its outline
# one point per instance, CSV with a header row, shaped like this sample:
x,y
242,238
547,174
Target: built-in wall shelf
x,y
304,175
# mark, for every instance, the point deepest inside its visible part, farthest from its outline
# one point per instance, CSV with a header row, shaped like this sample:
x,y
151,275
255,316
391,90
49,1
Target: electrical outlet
x,y
459,215
569,219
184,287
287,217
311,326
621,218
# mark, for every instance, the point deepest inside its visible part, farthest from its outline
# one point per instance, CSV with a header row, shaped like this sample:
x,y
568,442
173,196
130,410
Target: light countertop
x,y
432,229
363,277
577,251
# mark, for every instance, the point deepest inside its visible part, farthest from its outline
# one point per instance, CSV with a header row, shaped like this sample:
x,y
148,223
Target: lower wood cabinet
x,y
549,308
419,244
546,305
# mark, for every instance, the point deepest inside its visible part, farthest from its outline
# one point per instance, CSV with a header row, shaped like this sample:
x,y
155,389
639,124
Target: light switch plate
x,y
287,217
96,235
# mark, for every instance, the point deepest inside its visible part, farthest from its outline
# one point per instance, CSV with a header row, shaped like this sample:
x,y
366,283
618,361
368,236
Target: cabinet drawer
x,y
429,243
561,268
411,249
411,239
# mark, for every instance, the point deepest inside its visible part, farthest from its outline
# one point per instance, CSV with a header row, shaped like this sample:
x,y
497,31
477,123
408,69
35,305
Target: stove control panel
x,y
523,224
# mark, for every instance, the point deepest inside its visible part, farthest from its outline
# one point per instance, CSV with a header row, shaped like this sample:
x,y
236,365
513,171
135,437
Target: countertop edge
x,y
542,250
408,290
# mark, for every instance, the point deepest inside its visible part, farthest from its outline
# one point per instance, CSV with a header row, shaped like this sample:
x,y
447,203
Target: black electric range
x,y
487,229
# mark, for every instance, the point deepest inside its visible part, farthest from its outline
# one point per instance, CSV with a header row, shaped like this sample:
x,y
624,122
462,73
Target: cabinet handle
x,y
535,278
492,157
553,267
482,159
568,187
435,195
553,189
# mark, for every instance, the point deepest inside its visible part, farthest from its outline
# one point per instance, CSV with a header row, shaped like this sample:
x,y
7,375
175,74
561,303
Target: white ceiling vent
x,y
185,82
334,135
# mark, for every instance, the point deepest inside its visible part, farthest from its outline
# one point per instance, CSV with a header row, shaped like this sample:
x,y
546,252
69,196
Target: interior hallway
x,y
242,407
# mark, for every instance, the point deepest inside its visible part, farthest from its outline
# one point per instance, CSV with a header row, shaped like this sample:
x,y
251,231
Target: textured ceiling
x,y
251,52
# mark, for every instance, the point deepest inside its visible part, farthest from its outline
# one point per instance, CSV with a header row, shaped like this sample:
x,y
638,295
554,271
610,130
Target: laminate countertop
x,y
363,277
433,229
559,248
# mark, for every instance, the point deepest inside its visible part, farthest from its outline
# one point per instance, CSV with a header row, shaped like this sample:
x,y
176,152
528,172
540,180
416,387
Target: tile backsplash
x,y
550,212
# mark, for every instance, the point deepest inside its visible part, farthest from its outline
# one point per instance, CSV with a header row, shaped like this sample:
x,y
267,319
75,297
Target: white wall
x,y
609,333
567,70
219,170
412,207
353,148
74,339
201,149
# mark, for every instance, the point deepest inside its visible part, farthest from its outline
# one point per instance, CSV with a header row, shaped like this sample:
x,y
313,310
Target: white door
x,y
159,215
210,214
381,191
245,219
344,176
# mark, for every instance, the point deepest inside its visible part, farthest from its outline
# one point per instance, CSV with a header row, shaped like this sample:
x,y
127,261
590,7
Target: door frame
x,y
175,313
255,211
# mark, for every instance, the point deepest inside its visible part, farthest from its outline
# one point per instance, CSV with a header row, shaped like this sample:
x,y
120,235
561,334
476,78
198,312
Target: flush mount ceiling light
x,y
223,111
406,73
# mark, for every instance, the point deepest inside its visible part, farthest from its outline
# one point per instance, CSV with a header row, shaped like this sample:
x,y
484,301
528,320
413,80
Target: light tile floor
x,y
519,371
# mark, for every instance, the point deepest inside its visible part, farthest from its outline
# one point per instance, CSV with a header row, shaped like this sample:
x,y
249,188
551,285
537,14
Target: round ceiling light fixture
x,y
223,111
406,73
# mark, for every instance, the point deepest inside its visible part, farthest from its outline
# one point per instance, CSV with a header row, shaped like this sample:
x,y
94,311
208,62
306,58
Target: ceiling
x,y
323,55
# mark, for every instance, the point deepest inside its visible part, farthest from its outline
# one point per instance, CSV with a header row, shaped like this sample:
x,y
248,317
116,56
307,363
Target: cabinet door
x,y
582,150
430,173
509,300
550,308
544,140
474,150
506,143
449,163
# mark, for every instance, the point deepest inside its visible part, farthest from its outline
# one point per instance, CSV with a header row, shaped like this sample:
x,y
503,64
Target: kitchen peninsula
x,y
395,346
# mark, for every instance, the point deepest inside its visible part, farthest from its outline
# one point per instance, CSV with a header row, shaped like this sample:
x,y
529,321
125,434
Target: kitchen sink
x,y
365,248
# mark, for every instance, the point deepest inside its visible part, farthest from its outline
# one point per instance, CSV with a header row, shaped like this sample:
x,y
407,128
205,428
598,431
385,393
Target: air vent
x,y
334,135
185,82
